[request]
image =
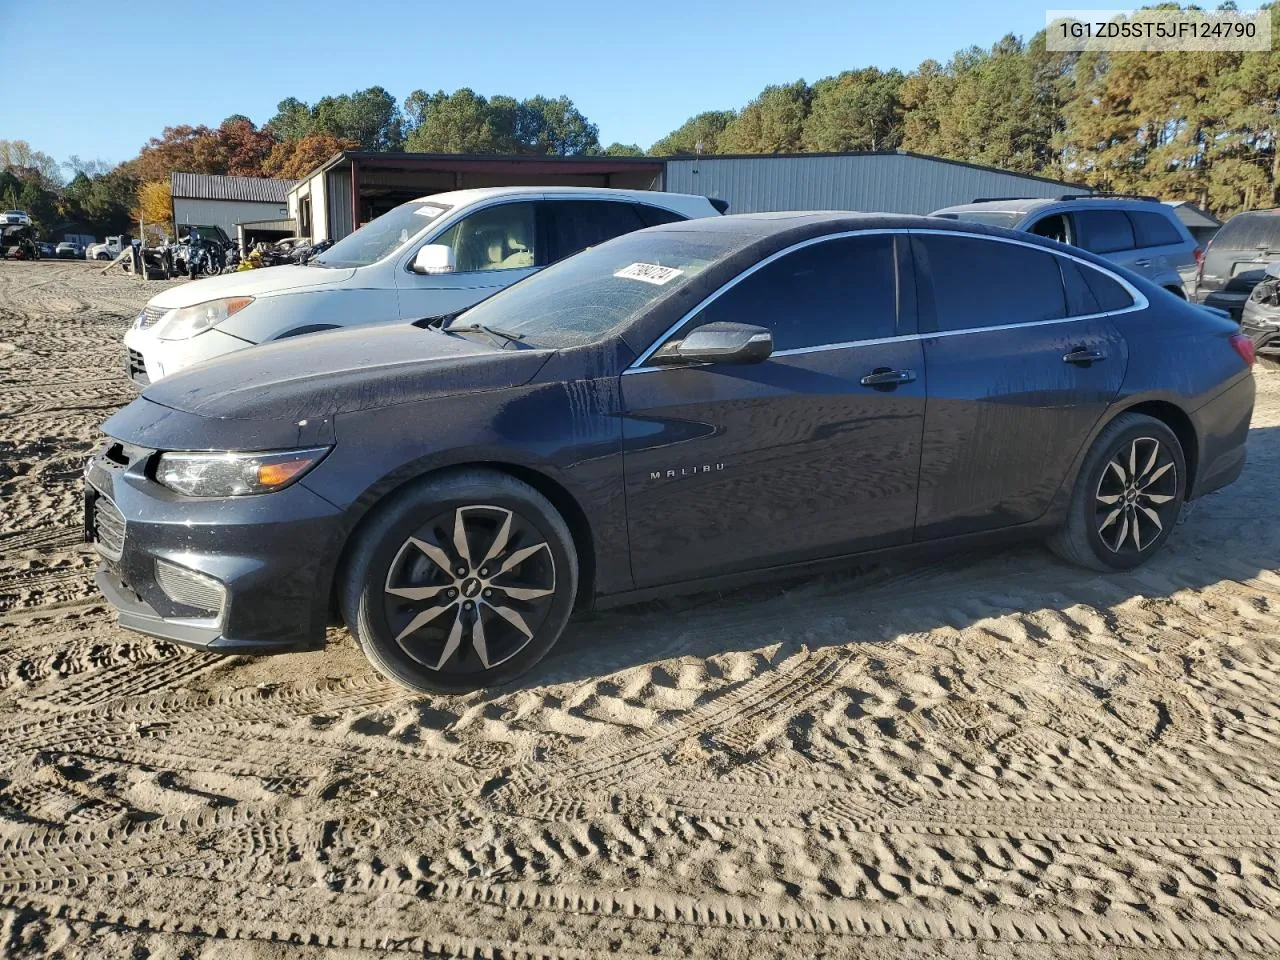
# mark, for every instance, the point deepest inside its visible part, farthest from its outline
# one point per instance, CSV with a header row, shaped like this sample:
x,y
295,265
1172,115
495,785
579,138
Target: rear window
x,y
1153,230
987,283
1109,294
1104,231
1250,231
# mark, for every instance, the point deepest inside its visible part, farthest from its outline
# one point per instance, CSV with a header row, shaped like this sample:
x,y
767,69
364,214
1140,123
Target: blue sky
x,y
636,70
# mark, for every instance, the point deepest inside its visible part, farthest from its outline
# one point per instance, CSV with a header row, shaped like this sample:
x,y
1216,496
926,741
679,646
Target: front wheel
x,y
460,581
1127,497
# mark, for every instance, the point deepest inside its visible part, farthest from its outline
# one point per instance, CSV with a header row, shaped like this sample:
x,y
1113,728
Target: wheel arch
x,y
1167,412
566,505
1177,420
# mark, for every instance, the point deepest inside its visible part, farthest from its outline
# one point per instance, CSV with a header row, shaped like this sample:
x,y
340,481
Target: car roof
x,y
1024,205
456,198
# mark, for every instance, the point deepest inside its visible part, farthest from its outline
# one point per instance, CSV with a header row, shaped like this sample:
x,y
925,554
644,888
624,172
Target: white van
x,y
427,258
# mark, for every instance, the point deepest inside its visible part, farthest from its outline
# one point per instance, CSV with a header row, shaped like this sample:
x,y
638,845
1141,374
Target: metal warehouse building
x,y
209,200
352,187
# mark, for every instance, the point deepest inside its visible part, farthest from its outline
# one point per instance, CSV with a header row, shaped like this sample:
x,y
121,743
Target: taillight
x,y
1243,346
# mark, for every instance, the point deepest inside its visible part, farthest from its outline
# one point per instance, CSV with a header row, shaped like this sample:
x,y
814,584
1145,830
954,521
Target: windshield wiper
x,y
481,328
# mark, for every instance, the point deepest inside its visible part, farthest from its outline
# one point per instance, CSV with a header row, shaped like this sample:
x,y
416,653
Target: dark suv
x,y
1236,260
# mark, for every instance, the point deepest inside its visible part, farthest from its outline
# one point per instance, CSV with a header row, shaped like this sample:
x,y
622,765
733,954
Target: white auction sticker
x,y
649,273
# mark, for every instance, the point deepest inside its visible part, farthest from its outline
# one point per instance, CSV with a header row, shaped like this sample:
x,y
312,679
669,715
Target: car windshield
x,y
587,296
380,237
992,218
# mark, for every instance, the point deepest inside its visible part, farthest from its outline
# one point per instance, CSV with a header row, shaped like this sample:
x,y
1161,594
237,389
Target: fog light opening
x,y
190,588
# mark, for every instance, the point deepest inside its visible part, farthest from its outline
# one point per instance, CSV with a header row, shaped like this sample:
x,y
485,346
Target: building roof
x,y
537,163
208,186
1193,216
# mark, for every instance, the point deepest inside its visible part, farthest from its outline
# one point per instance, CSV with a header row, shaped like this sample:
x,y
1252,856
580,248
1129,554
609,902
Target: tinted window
x,y
578,224
1153,230
1109,294
1104,231
652,216
986,283
1080,297
830,292
1249,231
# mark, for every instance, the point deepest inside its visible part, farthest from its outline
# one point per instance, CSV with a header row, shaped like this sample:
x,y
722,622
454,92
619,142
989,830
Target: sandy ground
x,y
994,756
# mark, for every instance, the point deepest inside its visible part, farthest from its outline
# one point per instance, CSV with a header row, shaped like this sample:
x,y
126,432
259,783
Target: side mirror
x,y
433,259
719,343
1273,270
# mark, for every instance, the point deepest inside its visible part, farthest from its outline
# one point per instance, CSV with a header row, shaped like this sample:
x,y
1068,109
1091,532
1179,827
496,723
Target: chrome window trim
x,y
1140,302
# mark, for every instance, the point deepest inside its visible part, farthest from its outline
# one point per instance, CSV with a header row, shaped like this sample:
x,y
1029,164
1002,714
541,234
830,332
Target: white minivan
x,y
428,258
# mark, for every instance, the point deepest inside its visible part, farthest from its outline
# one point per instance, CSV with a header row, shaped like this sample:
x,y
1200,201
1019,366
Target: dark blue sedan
x,y
687,406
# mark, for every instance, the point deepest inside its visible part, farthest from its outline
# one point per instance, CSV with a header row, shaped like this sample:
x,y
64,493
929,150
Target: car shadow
x,y
1220,538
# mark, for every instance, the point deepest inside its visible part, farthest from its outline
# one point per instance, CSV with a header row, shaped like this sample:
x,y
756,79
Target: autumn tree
x,y
294,159
154,205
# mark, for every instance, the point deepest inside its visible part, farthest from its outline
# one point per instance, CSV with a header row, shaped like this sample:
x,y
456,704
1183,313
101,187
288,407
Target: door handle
x,y
1083,356
884,377
1142,263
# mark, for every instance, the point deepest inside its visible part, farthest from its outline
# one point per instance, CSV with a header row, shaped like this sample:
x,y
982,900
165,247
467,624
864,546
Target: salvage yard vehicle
x,y
109,249
684,407
1140,233
70,250
1237,258
18,241
1260,318
16,218
426,258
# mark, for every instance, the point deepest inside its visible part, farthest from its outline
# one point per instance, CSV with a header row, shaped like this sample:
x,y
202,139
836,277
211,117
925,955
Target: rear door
x,y
1169,251
573,225
732,468
1021,363
1109,233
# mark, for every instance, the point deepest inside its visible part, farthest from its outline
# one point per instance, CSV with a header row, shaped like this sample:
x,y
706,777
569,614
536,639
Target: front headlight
x,y
187,322
234,474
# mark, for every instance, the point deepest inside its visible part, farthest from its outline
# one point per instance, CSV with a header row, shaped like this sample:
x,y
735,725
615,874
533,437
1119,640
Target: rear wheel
x,y
1127,496
463,580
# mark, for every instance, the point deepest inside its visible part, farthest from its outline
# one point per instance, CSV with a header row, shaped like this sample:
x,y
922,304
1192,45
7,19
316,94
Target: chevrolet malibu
x,y
683,407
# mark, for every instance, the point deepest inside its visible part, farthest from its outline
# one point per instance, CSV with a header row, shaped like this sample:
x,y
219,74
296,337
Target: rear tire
x,y
460,581
1127,496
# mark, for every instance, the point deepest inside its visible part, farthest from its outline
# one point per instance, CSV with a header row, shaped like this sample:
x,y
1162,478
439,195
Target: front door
x,y
1015,383
735,467
493,248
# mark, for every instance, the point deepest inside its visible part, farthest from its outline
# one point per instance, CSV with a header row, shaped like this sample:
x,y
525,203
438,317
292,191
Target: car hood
x,y
250,283
334,372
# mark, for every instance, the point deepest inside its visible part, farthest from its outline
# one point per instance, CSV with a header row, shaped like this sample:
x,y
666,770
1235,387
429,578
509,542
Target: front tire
x,y
1127,496
460,581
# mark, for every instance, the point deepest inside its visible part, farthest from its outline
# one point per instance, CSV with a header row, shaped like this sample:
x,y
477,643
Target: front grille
x,y
108,528
190,588
136,367
150,316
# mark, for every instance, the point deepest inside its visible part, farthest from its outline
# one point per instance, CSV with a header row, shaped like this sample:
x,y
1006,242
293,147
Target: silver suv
x,y
1139,233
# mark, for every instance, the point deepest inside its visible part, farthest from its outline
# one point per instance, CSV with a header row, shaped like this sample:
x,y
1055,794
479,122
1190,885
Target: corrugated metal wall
x,y
225,213
338,197
890,183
